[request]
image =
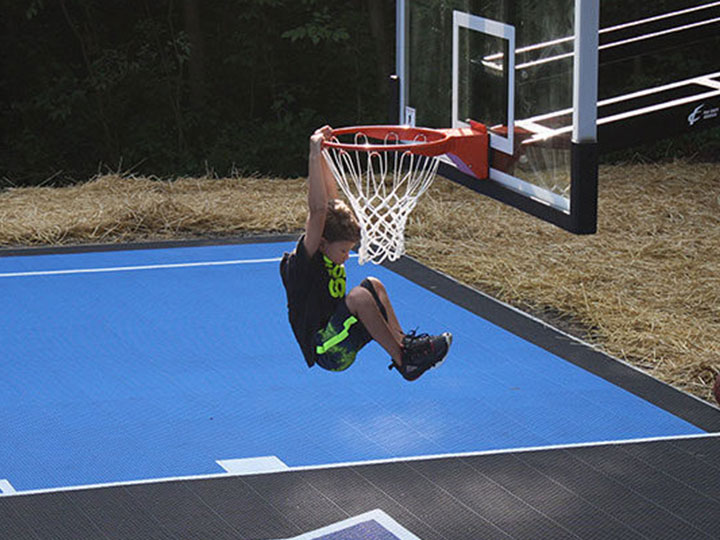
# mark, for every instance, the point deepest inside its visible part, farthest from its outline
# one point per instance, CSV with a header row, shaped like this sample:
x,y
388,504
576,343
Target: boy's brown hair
x,y
340,223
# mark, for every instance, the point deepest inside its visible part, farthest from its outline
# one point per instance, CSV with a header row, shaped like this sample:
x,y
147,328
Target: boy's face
x,y
338,251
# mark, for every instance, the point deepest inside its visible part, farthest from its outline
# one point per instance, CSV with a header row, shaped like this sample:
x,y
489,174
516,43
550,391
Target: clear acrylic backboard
x,y
509,64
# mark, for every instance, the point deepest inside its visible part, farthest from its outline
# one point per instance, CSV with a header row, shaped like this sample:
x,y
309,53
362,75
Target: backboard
x,y
508,64
556,83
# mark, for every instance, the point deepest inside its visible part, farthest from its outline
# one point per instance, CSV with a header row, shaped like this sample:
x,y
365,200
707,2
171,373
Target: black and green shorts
x,y
337,345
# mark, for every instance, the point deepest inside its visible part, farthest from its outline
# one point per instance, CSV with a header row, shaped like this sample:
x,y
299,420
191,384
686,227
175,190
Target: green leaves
x,y
34,8
234,85
320,28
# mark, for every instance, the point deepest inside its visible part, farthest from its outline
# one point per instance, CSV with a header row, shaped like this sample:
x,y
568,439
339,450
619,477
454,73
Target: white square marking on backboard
x,y
498,30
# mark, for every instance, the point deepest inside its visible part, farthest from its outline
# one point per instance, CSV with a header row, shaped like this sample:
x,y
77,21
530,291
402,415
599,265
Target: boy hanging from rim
x,y
330,325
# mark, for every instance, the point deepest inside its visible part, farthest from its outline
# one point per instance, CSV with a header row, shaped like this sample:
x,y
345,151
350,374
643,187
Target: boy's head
x,y
341,232
340,223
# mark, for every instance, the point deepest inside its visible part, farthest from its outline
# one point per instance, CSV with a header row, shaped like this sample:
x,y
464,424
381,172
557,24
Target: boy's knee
x,y
376,283
357,297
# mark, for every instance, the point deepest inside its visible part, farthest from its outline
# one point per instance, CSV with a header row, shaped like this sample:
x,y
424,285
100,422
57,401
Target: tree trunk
x,y
380,37
196,61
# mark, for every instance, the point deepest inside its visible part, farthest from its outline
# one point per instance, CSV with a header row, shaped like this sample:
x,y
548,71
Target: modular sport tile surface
x,y
146,364
157,393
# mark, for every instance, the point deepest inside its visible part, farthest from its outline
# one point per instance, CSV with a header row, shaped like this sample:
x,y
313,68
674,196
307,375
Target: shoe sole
x,y
448,341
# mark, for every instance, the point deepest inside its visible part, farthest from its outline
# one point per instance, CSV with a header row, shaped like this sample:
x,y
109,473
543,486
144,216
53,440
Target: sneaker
x,y
422,352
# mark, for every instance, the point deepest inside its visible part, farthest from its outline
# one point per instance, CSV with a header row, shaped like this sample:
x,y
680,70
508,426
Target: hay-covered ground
x,y
645,289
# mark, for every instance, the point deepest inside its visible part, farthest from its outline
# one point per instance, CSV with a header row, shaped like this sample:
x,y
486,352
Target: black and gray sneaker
x,y
422,352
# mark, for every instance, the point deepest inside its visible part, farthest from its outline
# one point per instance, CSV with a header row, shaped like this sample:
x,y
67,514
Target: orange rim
x,y
434,142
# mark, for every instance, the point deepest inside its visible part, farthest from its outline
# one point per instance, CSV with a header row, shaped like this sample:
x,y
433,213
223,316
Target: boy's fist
x,y
317,138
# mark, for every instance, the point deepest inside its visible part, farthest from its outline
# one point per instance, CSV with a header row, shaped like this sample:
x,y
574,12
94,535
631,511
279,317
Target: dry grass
x,y
646,288
114,208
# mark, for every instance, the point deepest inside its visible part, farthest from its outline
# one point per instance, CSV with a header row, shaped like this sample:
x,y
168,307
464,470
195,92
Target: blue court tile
x,y
131,375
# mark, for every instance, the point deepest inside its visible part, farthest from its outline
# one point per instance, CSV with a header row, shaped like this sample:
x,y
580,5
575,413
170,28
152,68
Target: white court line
x,y
402,459
72,271
502,451
108,269
377,515
6,488
255,465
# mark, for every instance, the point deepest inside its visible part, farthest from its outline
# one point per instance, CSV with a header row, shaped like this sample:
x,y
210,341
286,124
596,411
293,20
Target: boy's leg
x,y
385,301
362,304
419,352
369,302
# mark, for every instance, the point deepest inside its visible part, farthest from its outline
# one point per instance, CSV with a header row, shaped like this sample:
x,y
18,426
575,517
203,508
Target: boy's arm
x,y
321,188
330,184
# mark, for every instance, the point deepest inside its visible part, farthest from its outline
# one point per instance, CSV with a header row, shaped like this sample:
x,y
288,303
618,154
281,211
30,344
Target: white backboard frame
x,y
498,30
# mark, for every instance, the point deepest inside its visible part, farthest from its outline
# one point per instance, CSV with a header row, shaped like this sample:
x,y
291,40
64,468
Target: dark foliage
x,y
184,87
187,87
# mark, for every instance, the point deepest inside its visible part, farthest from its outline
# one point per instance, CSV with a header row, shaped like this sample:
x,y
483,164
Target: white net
x,y
383,187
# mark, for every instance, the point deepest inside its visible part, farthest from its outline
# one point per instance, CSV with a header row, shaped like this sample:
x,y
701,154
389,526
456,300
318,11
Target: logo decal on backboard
x,y
702,112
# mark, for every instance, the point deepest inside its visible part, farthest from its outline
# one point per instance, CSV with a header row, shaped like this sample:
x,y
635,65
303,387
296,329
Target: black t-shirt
x,y
314,286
